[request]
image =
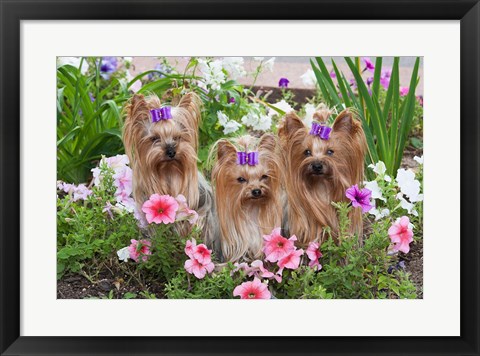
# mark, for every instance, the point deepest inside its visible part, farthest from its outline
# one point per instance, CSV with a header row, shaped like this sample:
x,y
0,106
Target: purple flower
x,y
92,98
108,66
332,74
420,100
360,198
368,64
283,83
369,81
231,100
404,91
353,83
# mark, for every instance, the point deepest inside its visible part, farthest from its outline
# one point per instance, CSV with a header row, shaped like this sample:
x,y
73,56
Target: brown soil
x,y
111,282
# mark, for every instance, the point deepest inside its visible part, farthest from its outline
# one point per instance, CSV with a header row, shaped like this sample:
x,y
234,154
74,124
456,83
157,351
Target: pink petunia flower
x,y
160,209
198,269
252,290
313,253
118,161
368,64
202,254
190,247
259,271
385,79
123,181
81,192
290,261
401,234
404,91
139,249
360,197
184,212
275,246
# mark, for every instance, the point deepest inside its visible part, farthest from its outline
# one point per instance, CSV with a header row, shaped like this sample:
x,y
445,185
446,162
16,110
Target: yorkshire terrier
x,y
247,183
161,142
321,162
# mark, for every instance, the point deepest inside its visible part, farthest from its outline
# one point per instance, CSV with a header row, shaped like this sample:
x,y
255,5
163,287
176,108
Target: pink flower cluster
x,y
401,234
80,192
200,262
122,175
164,209
279,250
139,249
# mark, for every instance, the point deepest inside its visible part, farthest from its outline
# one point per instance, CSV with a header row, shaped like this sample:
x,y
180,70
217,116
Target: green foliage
x,y
386,123
352,270
218,285
303,283
85,232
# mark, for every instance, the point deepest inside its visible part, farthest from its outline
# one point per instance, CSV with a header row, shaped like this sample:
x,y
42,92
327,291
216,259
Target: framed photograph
x,y
319,156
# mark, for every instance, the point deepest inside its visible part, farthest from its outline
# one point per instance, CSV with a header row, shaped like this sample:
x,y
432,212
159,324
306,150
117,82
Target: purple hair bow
x,y
321,131
250,158
163,113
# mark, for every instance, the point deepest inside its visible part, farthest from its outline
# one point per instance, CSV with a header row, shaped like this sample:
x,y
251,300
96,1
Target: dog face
x,y
163,153
247,195
318,172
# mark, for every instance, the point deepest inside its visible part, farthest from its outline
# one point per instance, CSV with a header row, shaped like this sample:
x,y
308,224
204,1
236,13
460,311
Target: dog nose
x,y
256,192
171,152
317,167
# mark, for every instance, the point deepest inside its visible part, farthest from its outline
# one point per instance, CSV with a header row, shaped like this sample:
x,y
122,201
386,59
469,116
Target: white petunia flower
x,y
375,189
222,118
231,127
234,66
409,207
409,185
404,176
256,120
309,111
308,78
379,214
73,61
419,160
281,105
264,123
212,73
123,254
387,178
379,168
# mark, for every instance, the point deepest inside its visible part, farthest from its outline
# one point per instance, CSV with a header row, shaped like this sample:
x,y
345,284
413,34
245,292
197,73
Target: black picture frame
x,y
14,11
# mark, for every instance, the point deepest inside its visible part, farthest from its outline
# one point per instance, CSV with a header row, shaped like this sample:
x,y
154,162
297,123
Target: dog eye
x,y
176,138
329,152
241,180
155,139
308,153
264,177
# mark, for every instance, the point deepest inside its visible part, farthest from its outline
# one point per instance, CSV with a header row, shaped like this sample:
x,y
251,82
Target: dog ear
x,y
137,108
291,124
225,149
346,123
267,142
192,103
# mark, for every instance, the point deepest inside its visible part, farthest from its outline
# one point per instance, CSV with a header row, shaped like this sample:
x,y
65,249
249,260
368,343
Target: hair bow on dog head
x,y
321,131
250,158
163,113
